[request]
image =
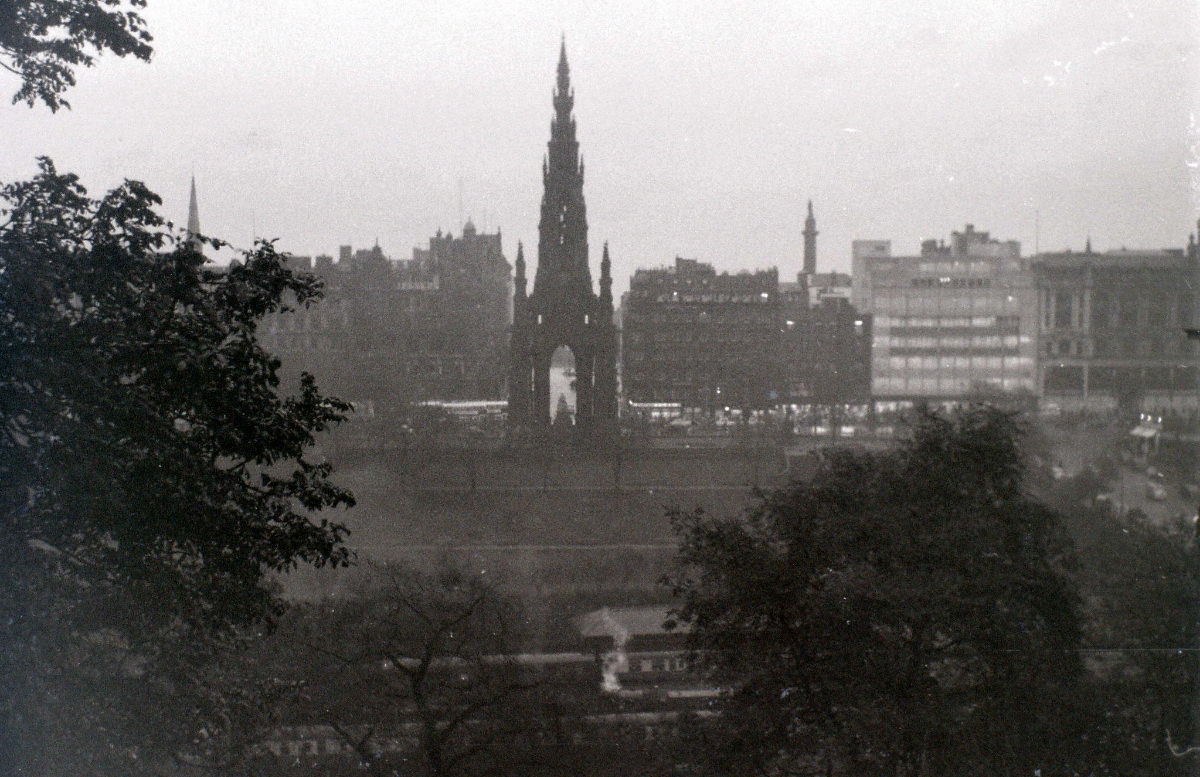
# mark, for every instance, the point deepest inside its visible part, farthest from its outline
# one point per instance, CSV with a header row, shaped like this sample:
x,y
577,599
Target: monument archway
x,y
562,309
562,384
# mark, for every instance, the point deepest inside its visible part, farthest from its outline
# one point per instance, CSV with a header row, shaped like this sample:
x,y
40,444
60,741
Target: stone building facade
x,y
1111,328
704,339
392,332
825,342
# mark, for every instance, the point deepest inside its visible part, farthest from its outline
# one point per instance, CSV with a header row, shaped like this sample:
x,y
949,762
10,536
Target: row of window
x,y
945,386
1118,347
1061,378
729,337
1065,314
674,296
961,363
952,342
659,664
962,265
948,322
886,303
952,283
680,315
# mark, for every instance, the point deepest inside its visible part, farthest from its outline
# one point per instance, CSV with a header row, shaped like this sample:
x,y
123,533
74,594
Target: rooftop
x,y
1123,257
621,623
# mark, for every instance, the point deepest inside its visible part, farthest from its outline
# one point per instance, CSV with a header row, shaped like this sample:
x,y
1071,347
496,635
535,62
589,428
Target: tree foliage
x,y
416,667
44,41
152,474
1140,586
907,612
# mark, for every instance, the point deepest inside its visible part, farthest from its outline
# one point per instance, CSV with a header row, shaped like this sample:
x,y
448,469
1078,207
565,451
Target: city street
x,y
1075,448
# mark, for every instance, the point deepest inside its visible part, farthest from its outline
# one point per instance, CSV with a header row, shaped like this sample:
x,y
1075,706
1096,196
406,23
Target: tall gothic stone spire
x,y
810,242
562,309
562,231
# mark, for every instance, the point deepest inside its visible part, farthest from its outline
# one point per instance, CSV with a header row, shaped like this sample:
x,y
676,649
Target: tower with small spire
x,y
562,309
519,373
193,222
810,242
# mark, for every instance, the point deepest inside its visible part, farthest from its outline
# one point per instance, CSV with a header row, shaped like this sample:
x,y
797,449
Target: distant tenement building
x,y
702,339
825,342
1112,328
825,345
390,332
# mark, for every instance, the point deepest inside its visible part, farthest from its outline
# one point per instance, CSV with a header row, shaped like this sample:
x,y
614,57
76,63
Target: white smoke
x,y
614,661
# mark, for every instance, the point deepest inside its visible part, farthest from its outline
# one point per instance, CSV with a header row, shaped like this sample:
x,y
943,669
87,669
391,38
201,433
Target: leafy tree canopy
x,y
906,612
43,41
152,474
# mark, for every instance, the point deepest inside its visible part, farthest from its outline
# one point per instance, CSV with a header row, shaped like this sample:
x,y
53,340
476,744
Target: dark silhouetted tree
x,y
152,473
905,613
1140,587
42,42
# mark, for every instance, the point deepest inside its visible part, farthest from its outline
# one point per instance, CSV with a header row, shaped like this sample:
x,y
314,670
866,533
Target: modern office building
x,y
955,320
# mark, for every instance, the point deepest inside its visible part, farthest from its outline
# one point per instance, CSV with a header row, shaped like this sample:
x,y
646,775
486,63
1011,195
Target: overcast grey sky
x,y
705,126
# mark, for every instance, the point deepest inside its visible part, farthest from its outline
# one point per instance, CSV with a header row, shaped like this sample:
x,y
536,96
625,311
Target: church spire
x,y
810,242
193,222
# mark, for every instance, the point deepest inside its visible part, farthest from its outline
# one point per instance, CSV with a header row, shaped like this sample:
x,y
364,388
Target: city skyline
x,y
705,133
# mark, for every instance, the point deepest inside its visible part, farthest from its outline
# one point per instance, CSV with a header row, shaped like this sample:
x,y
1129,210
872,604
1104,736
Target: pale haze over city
x,y
545,388
705,130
